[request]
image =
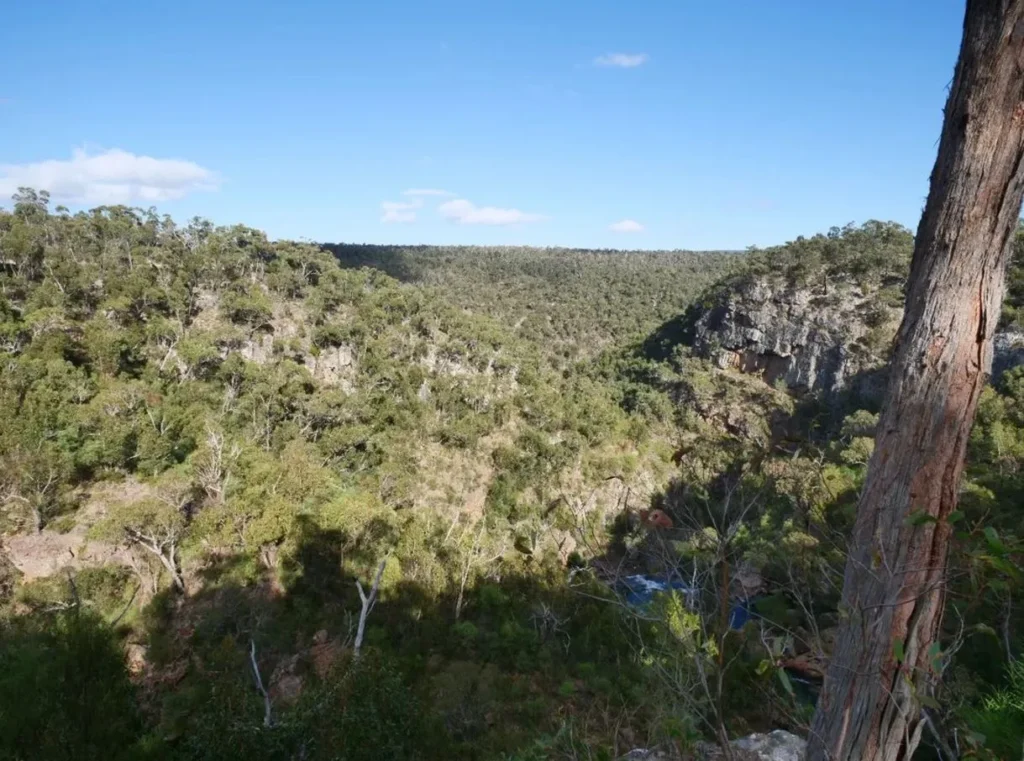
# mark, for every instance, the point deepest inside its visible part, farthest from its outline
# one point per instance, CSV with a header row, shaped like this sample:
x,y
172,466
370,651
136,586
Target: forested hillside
x,y
268,500
570,302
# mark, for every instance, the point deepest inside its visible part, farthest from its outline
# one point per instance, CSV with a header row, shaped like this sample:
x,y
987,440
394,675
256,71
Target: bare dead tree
x,y
162,538
164,546
895,582
368,601
477,556
213,471
268,719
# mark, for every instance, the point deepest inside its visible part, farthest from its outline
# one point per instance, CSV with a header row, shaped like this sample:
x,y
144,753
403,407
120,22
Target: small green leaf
x,y
994,542
763,667
784,678
919,518
955,517
897,648
929,702
975,739
985,629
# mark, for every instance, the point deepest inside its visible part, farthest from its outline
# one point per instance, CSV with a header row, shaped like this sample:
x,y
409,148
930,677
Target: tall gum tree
x,y
894,585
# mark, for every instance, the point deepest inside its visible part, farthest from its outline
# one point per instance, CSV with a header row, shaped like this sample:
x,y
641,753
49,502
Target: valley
x,y
214,446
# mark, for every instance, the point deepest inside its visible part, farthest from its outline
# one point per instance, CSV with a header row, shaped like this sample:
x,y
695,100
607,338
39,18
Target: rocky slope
x,y
819,315
807,338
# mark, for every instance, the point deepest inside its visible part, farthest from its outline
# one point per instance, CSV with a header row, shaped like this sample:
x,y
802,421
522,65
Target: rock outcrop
x,y
813,338
808,338
778,745
1007,351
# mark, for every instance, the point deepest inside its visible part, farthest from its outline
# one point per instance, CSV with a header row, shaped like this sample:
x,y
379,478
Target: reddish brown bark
x,y
893,590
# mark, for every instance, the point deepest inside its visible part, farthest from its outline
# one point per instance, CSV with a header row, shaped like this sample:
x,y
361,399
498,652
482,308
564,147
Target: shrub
x,y
1000,716
64,692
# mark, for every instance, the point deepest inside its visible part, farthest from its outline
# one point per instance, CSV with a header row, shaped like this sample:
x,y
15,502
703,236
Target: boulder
x,y
286,684
779,745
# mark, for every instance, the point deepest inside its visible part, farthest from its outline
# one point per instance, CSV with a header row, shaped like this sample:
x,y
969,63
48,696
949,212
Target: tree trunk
x,y
894,591
368,601
170,563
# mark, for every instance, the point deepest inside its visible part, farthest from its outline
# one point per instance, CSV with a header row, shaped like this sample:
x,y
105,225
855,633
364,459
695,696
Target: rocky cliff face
x,y
813,338
821,338
1007,351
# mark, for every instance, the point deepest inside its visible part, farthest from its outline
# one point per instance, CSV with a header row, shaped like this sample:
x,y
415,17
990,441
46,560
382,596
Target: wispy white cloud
x,y
399,212
109,177
464,212
626,226
622,60
426,192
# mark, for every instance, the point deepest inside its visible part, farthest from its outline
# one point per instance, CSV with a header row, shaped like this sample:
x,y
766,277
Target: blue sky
x,y
704,124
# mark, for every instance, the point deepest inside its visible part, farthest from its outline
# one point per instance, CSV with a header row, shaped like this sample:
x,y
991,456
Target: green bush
x,y
999,718
64,692
251,308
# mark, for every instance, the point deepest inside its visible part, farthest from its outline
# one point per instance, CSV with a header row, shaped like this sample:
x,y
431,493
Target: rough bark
x,y
894,590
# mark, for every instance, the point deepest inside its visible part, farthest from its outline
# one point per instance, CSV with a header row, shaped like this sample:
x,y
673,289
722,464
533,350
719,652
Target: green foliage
x,y
872,255
570,302
251,308
64,694
999,716
1012,316
264,422
362,713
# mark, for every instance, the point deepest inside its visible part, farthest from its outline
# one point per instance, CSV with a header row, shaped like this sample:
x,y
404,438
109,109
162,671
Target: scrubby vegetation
x,y
571,303
207,438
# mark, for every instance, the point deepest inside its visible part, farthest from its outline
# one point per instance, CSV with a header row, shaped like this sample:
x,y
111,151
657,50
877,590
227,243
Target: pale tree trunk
x,y
367,601
894,589
166,551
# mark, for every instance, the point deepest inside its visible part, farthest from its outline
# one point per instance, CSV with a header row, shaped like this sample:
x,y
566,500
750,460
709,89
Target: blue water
x,y
639,589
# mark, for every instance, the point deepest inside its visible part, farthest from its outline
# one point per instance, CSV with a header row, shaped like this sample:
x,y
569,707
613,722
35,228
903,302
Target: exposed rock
x,y
44,554
646,754
287,689
446,363
335,366
778,745
813,338
1007,352
173,673
748,581
286,684
258,348
324,653
49,552
809,338
135,656
288,679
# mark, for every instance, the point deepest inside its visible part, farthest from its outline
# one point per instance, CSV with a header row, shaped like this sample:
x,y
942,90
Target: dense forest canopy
x,y
574,302
207,438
